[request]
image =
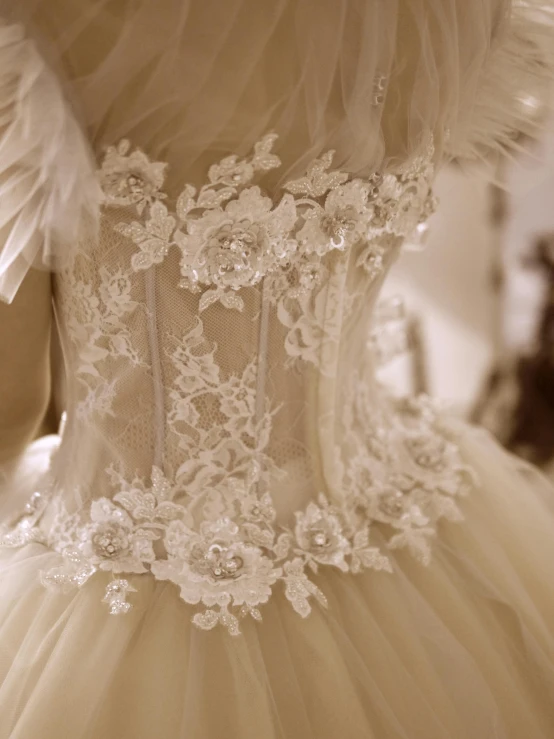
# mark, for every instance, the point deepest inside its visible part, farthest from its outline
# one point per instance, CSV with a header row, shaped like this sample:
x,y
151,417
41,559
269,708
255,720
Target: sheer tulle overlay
x,y
461,648
229,461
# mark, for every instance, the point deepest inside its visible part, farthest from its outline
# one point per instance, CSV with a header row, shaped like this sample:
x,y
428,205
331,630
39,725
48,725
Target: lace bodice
x,y
224,427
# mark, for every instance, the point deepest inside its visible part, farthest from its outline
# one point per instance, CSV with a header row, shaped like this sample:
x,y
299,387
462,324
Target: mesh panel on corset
x,y
293,391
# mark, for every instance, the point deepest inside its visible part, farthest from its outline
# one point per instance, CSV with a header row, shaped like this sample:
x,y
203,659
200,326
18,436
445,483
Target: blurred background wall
x,y
482,297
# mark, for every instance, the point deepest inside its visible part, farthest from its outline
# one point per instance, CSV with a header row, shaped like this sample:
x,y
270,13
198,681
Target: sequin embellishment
x,y
231,236
229,567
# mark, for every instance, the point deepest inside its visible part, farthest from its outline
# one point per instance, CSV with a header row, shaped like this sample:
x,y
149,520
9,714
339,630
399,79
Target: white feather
x,y
514,86
48,188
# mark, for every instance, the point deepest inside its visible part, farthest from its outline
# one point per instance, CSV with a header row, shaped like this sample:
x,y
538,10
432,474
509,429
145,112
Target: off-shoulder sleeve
x,y
512,86
48,190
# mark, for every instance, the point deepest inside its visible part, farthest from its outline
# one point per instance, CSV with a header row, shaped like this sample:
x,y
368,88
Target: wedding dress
x,y
238,533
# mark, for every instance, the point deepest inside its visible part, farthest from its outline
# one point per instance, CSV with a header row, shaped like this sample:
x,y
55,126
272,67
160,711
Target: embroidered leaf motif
x,y
185,202
153,239
318,181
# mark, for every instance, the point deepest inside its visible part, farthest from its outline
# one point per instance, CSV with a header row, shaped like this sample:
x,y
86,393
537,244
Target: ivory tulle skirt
x,y
463,648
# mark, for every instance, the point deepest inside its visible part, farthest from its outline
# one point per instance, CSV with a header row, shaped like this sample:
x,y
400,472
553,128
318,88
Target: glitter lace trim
x,y
229,567
231,236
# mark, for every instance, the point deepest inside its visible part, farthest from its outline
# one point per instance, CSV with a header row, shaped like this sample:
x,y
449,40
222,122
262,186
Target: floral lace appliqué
x,y
230,565
231,236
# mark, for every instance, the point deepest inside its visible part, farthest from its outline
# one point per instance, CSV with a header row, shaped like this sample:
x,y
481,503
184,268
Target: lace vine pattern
x,y
231,236
97,322
402,477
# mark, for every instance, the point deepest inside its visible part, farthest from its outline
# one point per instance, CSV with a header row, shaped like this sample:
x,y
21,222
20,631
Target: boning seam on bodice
x,y
156,364
327,390
262,358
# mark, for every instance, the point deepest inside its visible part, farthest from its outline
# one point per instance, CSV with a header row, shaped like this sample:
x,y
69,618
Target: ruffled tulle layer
x,y
463,648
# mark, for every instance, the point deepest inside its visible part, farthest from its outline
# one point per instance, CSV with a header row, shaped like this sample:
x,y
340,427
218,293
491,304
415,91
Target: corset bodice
x,y
224,426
